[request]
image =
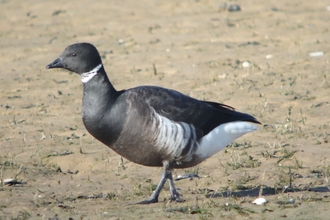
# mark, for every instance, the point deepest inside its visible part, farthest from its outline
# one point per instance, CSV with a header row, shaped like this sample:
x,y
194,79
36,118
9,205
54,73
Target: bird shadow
x,y
266,190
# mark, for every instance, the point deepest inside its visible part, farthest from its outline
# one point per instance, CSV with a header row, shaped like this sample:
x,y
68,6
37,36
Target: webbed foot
x,y
148,201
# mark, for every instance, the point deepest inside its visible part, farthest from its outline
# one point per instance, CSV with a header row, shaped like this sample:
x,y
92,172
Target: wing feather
x,y
204,115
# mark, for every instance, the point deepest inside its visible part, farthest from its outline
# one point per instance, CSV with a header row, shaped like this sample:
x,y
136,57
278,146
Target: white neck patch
x,y
85,77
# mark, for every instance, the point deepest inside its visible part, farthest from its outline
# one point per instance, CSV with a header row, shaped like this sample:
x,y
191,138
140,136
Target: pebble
x,y
260,201
291,201
269,56
316,54
121,41
246,64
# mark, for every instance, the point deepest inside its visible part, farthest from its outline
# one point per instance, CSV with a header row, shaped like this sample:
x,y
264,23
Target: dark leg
x,y
167,174
154,196
175,196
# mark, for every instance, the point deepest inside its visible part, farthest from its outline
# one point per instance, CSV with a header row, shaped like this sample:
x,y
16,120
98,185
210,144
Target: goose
x,y
150,125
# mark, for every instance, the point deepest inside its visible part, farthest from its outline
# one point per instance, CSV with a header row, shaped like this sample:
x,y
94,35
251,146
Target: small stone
x,y
260,201
291,201
316,54
246,64
269,56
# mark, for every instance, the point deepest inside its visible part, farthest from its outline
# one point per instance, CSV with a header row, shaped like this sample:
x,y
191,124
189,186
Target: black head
x,y
79,58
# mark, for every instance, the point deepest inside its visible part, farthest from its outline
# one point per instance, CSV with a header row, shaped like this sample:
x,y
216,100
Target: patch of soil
x,y
257,59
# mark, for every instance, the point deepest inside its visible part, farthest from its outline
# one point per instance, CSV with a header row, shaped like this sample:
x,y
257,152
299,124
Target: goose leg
x,y
154,196
175,196
166,174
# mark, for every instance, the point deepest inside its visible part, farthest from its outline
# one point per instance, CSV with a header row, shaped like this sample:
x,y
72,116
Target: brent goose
x,y
150,125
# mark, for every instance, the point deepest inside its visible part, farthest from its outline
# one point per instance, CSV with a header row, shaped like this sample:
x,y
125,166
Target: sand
x,y
256,60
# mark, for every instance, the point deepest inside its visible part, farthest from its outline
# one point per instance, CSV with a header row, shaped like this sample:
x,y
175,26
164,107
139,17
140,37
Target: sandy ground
x,y
61,172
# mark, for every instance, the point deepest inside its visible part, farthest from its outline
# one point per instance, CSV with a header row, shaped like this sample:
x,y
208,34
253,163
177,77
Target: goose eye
x,y
74,54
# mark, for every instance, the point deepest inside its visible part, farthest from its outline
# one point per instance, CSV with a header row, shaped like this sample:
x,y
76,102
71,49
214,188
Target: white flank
x,y
172,137
222,136
85,77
